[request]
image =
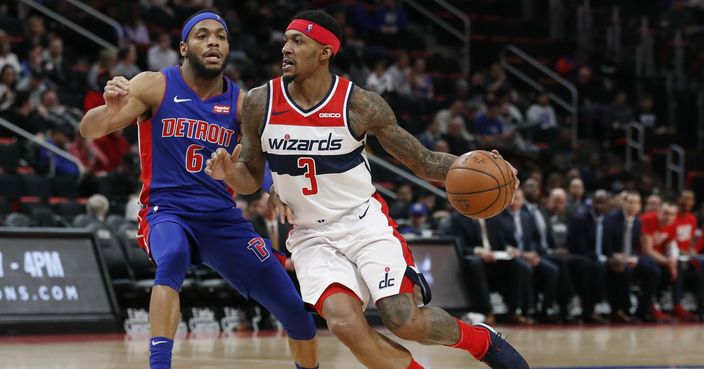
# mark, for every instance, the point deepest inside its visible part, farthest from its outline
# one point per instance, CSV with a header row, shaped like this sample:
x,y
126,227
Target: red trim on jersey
x,y
145,159
329,114
407,255
332,289
163,95
307,123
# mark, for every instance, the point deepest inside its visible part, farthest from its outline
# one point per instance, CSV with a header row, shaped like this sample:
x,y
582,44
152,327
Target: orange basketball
x,y
480,184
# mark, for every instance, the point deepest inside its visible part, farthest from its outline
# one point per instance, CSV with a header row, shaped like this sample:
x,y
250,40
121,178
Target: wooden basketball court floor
x,y
654,347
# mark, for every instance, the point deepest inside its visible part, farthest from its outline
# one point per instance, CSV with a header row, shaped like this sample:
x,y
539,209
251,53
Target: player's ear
x,y
326,53
182,48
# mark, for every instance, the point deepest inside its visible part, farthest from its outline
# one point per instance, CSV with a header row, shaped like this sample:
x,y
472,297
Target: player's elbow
x,y
83,130
90,127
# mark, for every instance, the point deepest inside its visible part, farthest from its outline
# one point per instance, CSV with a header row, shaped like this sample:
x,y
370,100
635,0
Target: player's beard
x,y
289,78
202,71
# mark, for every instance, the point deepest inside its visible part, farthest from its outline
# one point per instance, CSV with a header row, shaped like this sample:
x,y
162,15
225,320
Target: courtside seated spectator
x,y
626,265
658,241
587,235
97,207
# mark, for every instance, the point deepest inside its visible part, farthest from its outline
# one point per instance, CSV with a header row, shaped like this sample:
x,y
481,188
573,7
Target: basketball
x,y
480,184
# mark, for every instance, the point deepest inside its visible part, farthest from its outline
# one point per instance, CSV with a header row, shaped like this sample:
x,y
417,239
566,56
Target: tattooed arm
x,y
243,170
369,112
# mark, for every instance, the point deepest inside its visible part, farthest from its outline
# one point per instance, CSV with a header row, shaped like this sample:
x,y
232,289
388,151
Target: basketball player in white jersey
x,y
311,126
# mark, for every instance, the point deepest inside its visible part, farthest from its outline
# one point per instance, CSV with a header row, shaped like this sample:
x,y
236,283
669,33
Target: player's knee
x,y
298,324
401,316
171,268
346,326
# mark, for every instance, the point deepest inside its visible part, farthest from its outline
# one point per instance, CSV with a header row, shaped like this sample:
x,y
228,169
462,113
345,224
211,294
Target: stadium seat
x,y
4,208
83,220
114,222
17,220
64,186
11,187
121,276
67,209
45,217
9,156
143,270
209,286
34,185
28,204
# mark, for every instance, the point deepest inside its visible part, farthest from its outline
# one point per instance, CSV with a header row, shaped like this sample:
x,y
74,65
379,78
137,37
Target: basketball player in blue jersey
x,y
310,125
185,113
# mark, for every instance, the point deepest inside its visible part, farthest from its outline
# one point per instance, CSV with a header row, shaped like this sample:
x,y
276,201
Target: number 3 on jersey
x,y
194,160
309,165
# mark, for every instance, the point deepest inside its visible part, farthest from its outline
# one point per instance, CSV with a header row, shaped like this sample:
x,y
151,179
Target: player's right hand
x,y
115,93
221,164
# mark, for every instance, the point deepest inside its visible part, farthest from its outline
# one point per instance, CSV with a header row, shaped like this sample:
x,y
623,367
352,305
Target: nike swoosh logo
x,y
280,112
365,211
177,100
154,343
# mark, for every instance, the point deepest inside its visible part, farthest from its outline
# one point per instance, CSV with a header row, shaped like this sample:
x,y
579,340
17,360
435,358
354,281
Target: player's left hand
x,y
516,181
282,211
221,163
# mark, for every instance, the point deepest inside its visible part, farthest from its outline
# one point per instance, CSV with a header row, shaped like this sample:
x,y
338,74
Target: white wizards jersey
x,y
319,167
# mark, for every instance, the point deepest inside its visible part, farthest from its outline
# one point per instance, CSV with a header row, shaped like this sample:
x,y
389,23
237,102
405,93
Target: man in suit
x,y
586,239
526,245
625,264
485,246
544,223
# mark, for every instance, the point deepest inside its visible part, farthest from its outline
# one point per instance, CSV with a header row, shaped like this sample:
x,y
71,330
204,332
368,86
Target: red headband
x,y
316,32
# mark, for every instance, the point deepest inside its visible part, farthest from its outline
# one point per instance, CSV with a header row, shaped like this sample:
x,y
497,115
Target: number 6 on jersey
x,y
194,160
309,165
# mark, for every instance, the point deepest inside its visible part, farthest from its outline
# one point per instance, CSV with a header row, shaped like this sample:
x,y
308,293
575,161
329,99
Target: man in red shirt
x,y
685,222
685,229
658,242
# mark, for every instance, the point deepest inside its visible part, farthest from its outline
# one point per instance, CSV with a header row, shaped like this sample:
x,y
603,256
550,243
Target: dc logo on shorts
x,y
386,282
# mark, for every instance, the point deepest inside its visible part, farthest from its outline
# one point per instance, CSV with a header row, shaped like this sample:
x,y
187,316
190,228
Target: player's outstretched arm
x,y
369,112
125,101
243,170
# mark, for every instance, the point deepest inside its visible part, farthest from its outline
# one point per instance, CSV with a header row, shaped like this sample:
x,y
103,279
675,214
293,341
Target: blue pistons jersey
x,y
176,142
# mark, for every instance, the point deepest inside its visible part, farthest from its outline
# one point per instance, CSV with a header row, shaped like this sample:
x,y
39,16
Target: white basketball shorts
x,y
359,250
